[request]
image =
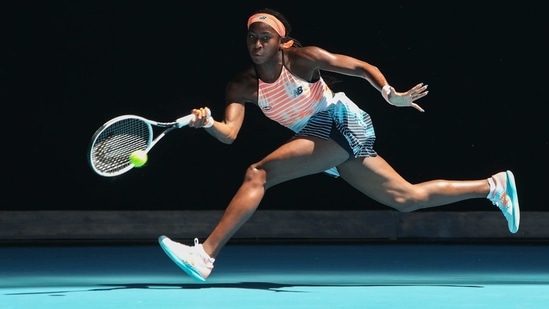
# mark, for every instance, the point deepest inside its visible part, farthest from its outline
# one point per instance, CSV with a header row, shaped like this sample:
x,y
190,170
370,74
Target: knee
x,y
256,175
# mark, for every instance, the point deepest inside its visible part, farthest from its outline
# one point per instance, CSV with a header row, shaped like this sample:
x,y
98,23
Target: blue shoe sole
x,y
512,193
186,267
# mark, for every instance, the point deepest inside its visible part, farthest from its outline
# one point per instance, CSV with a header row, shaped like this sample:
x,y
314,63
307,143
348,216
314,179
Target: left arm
x,y
319,59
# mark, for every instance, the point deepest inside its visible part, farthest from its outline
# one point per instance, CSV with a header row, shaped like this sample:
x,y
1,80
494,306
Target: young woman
x,y
333,135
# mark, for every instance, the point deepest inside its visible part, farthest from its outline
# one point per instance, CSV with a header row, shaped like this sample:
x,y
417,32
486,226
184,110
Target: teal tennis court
x,y
259,275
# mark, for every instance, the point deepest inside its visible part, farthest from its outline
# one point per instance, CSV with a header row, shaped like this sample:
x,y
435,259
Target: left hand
x,y
407,98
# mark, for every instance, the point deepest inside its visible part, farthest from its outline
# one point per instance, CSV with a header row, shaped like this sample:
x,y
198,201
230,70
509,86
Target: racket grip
x,y
184,121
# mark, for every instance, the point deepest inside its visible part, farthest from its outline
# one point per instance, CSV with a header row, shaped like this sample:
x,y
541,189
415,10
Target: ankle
x,y
206,251
492,190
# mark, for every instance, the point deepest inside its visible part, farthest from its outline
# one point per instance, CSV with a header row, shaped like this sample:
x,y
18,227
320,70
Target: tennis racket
x,y
112,144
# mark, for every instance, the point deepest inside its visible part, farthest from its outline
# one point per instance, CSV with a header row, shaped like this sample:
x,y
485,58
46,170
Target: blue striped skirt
x,y
345,123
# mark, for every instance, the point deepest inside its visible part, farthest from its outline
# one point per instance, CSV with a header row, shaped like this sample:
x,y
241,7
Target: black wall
x,y
70,66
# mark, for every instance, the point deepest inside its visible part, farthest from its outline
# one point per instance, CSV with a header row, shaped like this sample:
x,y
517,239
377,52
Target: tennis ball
x,y
138,158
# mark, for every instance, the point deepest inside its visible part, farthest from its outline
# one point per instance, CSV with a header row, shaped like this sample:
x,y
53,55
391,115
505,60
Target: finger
x,y
414,105
208,112
196,117
204,113
419,88
419,95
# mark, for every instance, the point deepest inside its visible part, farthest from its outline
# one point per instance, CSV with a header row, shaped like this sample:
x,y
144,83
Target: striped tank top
x,y
291,101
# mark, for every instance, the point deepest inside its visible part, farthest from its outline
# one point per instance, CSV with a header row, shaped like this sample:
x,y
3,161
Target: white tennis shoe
x,y
504,195
193,260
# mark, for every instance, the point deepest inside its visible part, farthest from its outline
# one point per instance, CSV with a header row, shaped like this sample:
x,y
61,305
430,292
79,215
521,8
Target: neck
x,y
270,71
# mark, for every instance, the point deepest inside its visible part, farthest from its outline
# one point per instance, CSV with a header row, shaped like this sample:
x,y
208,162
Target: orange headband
x,y
270,20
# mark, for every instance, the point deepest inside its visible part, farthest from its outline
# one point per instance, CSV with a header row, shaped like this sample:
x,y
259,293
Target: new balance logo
x,y
298,91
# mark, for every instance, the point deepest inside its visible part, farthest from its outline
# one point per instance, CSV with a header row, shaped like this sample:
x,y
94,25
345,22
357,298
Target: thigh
x,y
374,177
299,157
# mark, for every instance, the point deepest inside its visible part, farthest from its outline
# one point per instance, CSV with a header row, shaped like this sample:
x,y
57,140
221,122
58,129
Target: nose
x,y
257,44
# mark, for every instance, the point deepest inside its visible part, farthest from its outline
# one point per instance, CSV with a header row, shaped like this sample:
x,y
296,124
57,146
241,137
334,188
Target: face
x,y
263,42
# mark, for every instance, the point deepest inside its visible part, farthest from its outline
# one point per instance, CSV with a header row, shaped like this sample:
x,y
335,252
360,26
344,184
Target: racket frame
x,y
178,123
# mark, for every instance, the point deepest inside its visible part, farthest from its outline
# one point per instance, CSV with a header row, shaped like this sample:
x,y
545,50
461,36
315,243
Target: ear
x,y
287,44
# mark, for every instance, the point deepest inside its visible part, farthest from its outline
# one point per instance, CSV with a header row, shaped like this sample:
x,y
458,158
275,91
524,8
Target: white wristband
x,y
209,123
385,92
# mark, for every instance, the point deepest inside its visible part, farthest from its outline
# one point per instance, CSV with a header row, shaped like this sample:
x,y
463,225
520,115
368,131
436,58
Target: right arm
x,y
238,91
227,130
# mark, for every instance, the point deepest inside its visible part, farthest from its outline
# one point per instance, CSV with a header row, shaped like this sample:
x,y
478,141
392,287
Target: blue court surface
x,y
258,275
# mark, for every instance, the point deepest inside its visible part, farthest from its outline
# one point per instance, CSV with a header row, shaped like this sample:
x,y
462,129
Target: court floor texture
x,y
295,275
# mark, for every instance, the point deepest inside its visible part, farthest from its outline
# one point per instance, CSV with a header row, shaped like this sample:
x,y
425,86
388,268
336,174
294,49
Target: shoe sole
x,y
512,193
186,267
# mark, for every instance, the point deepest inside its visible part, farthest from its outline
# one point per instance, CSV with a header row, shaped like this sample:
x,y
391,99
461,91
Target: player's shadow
x,y
264,286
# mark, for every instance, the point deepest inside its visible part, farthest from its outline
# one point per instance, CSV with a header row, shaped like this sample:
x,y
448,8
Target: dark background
x,y
71,66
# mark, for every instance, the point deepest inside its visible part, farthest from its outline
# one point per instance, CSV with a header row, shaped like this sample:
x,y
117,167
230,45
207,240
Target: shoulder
x,y
244,79
307,53
242,87
305,62
307,57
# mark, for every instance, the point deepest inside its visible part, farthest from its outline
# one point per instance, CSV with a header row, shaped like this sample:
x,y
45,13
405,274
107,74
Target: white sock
x,y
492,187
206,254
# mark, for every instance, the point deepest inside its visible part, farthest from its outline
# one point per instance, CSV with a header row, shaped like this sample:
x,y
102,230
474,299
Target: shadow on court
x,y
265,286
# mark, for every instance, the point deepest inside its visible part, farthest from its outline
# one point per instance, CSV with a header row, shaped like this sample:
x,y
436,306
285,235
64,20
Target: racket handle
x,y
184,121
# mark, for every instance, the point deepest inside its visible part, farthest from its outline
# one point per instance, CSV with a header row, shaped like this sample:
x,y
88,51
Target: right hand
x,y
202,117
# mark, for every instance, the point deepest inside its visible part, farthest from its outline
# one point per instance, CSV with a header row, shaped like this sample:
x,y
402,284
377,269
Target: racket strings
x,y
112,148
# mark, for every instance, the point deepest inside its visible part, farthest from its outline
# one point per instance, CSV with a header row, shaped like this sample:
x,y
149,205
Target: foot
x,y
193,260
504,195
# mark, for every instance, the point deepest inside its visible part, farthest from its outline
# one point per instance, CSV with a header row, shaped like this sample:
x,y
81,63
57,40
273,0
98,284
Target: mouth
x,y
256,56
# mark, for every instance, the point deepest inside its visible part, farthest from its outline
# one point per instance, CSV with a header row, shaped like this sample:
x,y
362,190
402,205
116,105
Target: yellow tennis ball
x,y
138,158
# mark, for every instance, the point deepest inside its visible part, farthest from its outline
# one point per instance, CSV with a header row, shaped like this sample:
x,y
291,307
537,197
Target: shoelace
x,y
198,253
193,254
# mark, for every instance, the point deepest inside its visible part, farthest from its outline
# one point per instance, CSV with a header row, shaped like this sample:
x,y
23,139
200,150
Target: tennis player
x,y
332,135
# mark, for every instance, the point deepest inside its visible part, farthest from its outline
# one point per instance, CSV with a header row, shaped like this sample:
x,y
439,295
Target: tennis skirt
x,y
345,123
